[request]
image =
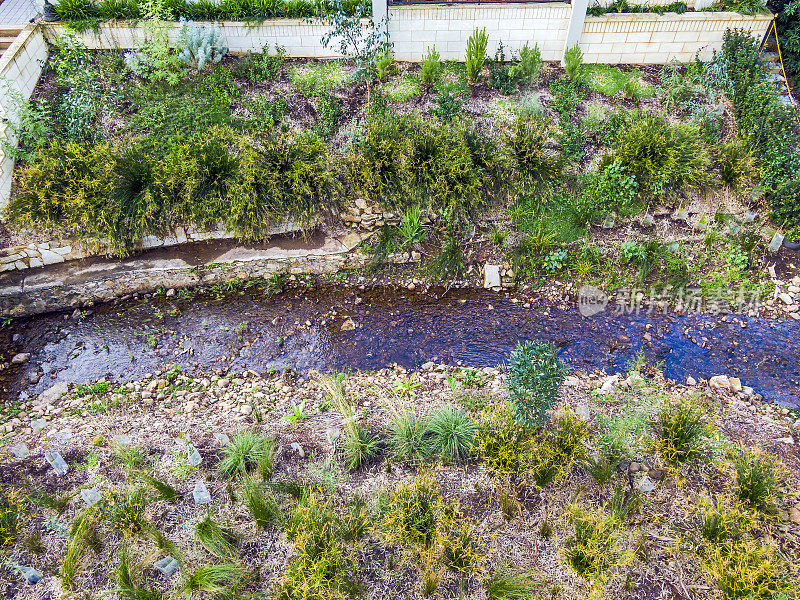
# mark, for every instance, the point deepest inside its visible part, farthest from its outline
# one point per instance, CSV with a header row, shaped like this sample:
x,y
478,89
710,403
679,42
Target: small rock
x,y
491,276
123,439
20,358
691,381
736,384
784,297
794,515
635,379
720,382
656,474
348,325
20,450
609,385
170,292
634,467
786,440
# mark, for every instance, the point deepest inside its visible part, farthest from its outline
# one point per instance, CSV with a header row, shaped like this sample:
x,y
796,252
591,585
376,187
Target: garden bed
x,y
536,165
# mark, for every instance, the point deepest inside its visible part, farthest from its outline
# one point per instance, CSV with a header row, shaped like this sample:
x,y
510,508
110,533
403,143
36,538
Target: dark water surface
x,y
302,329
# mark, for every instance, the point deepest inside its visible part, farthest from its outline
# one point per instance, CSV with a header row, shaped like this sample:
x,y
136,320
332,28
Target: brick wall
x,y
20,69
416,27
652,39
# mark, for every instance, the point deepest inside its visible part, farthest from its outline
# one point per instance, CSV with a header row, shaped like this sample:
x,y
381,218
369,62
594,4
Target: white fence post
x,y
575,28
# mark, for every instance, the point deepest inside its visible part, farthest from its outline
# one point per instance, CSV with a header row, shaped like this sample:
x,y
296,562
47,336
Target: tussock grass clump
x,y
408,435
133,458
163,490
507,584
555,451
682,430
128,579
12,506
124,511
218,540
245,452
262,506
411,513
759,479
591,550
219,579
83,538
451,432
56,502
721,520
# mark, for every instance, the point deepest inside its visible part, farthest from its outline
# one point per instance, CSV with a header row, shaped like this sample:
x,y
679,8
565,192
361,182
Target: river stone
x,y
609,385
720,382
786,298
200,493
38,424
348,325
491,276
736,384
691,381
635,379
57,462
167,565
776,242
20,358
53,393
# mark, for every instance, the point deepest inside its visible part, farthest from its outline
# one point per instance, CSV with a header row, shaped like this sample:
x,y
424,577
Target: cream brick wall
x,y
414,28
20,69
647,38
299,38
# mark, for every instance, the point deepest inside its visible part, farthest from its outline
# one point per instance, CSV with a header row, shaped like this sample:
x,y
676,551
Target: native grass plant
x,y
664,157
200,44
218,540
221,580
124,510
261,504
246,452
719,520
450,433
746,569
555,450
535,374
408,434
413,229
430,69
510,584
759,479
412,512
128,576
164,491
12,511
682,431
591,550
476,54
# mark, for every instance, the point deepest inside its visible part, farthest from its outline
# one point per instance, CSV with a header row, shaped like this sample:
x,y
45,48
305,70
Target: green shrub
x,y
533,157
573,64
449,100
785,204
529,65
246,452
682,430
534,376
746,570
610,189
758,479
412,230
260,66
665,158
430,69
451,431
476,53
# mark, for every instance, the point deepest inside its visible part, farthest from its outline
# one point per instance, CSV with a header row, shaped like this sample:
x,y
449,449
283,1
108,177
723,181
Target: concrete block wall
x,y
300,38
647,38
414,28
20,68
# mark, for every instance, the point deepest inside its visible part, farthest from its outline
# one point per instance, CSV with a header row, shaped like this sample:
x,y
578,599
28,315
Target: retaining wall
x,y
20,69
652,39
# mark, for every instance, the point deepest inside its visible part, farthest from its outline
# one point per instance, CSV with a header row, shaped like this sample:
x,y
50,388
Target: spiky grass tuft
x,y
408,435
164,490
262,506
505,584
219,541
451,431
245,452
129,585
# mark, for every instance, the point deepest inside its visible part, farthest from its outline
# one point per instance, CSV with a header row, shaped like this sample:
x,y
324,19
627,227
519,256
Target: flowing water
x,y
303,329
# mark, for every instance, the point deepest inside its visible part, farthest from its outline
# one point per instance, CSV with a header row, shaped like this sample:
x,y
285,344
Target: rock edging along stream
x,y
83,283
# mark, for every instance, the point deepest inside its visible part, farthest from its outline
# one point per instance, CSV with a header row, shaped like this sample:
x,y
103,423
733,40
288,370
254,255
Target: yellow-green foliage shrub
x,y
555,450
501,441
